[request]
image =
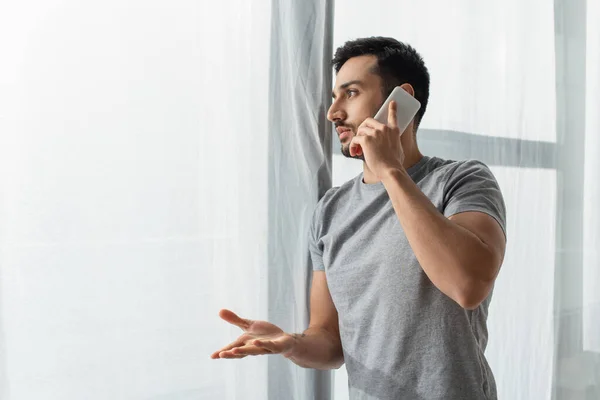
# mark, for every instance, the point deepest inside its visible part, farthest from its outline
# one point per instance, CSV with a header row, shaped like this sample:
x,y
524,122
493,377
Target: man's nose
x,y
335,114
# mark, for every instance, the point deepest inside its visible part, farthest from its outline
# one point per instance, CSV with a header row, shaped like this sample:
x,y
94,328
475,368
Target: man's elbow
x,y
337,356
338,362
472,295
470,303
333,363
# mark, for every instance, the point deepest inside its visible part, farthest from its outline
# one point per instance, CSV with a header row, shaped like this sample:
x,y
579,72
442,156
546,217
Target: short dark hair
x,y
397,63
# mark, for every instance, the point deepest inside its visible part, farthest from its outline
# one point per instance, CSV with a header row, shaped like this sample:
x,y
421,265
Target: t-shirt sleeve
x,y
473,187
315,245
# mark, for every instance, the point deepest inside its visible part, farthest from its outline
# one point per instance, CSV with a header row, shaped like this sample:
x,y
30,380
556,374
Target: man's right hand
x,y
259,337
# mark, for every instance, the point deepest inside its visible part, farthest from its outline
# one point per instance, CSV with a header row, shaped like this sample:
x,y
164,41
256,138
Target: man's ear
x,y
408,87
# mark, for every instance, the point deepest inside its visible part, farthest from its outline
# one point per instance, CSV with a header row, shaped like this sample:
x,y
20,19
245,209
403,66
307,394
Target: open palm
x,y
259,337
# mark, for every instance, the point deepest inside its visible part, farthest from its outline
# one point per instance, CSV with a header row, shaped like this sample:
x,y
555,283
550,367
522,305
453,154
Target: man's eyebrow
x,y
347,84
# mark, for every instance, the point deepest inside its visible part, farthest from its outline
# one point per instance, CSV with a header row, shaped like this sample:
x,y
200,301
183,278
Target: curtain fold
x,y
299,174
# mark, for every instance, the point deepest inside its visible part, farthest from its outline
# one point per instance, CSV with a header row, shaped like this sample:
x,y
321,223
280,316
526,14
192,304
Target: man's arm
x,y
319,346
461,255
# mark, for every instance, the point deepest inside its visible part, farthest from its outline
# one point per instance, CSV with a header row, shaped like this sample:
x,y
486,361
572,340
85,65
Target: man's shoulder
x,y
438,163
337,193
334,198
444,169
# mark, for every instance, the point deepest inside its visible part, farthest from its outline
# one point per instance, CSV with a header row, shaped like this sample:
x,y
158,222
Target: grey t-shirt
x,y
402,337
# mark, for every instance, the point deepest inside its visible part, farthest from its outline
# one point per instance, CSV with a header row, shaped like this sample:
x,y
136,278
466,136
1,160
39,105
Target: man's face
x,y
357,96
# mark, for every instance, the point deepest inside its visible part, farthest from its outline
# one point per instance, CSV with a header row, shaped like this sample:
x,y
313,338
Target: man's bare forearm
x,y
317,348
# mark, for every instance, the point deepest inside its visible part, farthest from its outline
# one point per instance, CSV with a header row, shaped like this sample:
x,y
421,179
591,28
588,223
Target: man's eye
x,y
352,92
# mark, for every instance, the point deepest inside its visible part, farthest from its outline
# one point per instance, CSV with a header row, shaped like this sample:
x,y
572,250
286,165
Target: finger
x,y
392,115
251,350
230,346
281,345
366,131
230,355
372,123
356,146
268,345
234,319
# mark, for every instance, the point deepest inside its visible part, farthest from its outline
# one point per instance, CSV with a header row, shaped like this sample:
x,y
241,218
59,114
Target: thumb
x,y
234,319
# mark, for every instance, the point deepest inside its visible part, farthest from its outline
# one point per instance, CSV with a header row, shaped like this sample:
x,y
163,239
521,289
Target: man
x,y
405,255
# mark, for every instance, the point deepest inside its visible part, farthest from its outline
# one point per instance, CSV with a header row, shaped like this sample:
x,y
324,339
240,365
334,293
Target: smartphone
x,y
406,108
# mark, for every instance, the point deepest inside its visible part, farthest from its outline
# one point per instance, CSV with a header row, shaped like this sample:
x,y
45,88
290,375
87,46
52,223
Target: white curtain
x,y
160,161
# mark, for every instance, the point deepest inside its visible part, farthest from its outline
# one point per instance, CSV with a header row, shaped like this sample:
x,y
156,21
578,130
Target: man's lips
x,y
343,132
